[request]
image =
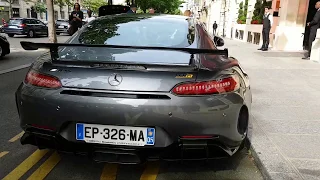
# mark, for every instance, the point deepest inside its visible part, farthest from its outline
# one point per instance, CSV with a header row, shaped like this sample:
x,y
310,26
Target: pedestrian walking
x,y
75,19
266,27
133,9
215,27
314,25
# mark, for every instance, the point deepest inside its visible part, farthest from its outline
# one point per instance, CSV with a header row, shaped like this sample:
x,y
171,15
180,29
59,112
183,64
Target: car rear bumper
x,y
15,31
61,30
183,149
216,116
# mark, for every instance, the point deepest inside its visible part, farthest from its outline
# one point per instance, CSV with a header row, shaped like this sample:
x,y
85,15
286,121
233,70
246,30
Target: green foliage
x,y
257,12
242,13
69,3
40,7
99,31
59,3
161,6
94,5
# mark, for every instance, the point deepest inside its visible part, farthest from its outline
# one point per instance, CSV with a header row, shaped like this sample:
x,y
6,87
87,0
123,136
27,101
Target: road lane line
x,y
3,153
109,172
15,68
26,165
151,171
18,136
46,167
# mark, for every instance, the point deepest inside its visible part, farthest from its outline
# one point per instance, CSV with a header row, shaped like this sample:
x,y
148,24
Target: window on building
x,y
56,15
28,13
41,15
62,15
15,12
15,2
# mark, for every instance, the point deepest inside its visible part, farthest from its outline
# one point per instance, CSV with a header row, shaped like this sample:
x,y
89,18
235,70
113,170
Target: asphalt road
x,y
26,162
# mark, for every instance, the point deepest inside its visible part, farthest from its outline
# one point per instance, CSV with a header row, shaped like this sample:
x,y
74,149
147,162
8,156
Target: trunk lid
x,y
137,76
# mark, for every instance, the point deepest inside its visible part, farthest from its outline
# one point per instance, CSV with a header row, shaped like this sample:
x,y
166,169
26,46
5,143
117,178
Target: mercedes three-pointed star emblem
x,y
115,79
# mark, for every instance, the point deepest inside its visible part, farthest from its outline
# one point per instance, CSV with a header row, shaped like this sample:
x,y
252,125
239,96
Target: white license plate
x,y
116,135
60,27
14,27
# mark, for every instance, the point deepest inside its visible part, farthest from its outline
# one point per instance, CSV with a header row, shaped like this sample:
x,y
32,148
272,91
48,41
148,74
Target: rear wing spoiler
x,y
53,47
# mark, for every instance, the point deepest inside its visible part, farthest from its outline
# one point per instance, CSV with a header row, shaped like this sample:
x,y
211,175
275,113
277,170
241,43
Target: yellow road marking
x,y
18,136
26,165
3,153
151,171
109,172
46,167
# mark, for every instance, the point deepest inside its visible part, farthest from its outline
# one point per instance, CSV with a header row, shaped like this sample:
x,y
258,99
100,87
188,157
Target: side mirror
x,y
218,41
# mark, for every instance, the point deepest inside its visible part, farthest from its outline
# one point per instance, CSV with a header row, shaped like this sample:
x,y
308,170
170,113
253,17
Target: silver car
x,y
133,87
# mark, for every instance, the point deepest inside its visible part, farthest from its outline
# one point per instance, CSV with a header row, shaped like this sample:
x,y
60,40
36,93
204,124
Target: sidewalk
x,y
285,123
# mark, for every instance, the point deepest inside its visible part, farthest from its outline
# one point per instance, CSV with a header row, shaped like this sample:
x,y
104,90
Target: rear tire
x,y
1,51
10,35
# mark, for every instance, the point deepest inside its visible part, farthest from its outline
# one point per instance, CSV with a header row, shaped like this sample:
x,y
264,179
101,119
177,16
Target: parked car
x,y
4,46
25,26
62,26
129,88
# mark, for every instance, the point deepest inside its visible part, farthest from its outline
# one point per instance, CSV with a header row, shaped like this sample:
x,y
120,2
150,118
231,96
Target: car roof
x,y
151,17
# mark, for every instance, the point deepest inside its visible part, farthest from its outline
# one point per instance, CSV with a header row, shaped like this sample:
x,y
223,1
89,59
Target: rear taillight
x,y
22,25
223,85
5,25
36,79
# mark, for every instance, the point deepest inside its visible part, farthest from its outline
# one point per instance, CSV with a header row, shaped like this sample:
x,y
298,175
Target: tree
x,y
242,13
256,18
93,5
161,6
40,7
69,3
10,2
60,3
51,24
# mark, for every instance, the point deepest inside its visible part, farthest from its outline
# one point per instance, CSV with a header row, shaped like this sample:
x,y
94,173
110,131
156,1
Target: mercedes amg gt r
x,y
132,87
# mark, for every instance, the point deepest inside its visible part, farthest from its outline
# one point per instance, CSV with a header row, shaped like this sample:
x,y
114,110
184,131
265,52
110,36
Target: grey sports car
x,y
132,87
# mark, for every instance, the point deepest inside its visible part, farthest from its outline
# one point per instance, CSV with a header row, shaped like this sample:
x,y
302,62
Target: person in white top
x,y
89,18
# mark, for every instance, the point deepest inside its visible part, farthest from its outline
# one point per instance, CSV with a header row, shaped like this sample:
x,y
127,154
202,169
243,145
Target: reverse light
x,y
223,85
36,79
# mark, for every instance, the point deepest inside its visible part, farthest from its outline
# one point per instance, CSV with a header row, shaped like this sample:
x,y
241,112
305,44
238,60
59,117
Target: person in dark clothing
x,y
314,25
267,24
75,18
214,26
133,9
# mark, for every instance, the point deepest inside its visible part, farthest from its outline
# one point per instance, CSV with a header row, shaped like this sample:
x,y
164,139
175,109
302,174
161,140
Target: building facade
x,y
25,9
287,30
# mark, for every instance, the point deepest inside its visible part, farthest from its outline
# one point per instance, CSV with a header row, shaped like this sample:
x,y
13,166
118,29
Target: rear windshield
x,y
132,31
15,21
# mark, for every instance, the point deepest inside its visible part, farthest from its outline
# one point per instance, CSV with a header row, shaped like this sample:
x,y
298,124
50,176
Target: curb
x,y
259,164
